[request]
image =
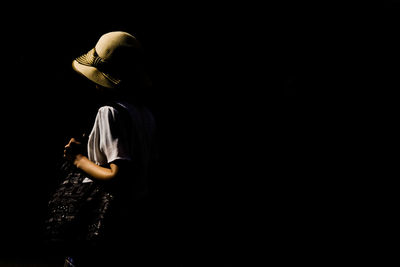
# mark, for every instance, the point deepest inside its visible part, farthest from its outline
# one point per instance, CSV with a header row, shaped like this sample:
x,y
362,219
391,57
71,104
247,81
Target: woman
x,y
113,163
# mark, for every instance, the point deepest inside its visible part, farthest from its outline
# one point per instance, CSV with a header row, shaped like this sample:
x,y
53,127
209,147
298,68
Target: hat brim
x,y
93,74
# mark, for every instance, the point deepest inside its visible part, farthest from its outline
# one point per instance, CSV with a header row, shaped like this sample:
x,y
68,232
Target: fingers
x,y
69,143
72,148
68,151
72,142
67,155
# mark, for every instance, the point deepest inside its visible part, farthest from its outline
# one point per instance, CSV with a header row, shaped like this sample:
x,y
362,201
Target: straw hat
x,y
116,59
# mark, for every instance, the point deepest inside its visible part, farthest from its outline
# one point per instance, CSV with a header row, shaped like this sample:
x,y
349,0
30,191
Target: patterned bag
x,y
77,210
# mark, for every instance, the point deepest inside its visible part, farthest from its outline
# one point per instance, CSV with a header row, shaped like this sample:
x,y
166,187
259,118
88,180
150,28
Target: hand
x,y
73,150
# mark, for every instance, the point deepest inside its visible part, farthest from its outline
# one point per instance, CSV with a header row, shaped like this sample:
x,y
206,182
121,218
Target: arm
x,y
72,154
94,170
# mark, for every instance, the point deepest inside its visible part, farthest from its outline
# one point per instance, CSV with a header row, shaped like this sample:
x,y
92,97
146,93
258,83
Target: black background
x,y
235,152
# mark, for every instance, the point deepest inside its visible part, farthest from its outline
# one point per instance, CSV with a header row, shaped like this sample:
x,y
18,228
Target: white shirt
x,y
110,139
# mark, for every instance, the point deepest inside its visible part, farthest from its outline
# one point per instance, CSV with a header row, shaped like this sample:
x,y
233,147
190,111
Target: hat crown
x,y
117,57
115,46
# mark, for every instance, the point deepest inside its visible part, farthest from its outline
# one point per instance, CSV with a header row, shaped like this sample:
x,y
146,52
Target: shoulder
x,y
106,108
107,113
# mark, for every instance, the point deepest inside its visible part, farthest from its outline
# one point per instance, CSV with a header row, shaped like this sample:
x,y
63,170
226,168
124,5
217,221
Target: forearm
x,y
94,170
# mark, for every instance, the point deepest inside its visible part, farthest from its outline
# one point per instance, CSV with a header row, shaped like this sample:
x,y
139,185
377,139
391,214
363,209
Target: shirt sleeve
x,y
111,131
